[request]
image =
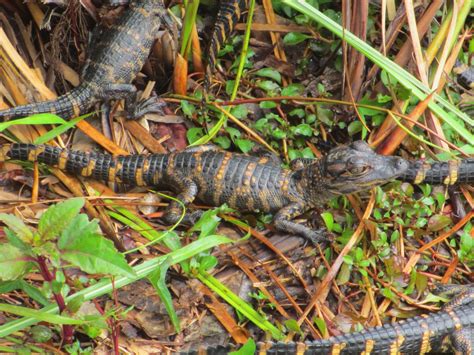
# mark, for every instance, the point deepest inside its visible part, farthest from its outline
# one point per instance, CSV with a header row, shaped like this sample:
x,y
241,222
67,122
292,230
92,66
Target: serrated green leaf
x,y
76,229
278,133
12,263
14,240
57,217
229,87
18,227
222,141
96,255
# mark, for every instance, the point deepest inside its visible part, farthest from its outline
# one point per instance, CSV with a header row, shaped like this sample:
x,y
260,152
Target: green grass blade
x,y
40,316
42,118
441,107
239,304
105,285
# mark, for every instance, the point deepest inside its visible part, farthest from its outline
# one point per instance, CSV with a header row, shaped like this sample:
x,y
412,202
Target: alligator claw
x,y
318,236
150,105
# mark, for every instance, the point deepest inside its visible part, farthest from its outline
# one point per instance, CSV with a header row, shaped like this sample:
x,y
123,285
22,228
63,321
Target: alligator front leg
x,y
301,163
283,222
134,109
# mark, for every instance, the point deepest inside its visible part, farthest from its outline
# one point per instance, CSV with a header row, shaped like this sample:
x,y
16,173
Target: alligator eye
x,y
355,171
359,170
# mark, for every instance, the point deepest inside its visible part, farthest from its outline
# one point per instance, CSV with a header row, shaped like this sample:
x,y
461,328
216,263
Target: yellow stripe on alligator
x,y
4,150
87,171
425,339
301,348
421,173
62,161
33,153
453,172
369,346
337,348
139,173
456,320
395,346
263,348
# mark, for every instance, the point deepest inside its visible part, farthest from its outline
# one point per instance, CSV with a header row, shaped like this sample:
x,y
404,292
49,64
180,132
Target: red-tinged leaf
x,y
13,263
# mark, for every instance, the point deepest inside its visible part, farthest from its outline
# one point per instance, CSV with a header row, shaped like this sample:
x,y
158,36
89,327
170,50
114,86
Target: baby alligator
x,y
417,335
116,55
244,182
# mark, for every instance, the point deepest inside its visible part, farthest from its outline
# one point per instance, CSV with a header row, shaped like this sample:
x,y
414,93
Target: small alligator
x,y
417,335
248,183
117,54
228,14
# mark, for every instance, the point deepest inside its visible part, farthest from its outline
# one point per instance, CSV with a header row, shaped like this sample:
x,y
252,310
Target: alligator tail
x,y
440,173
72,104
133,170
228,15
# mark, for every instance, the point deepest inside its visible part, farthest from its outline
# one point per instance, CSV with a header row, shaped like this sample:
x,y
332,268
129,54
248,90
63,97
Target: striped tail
x,y
132,170
440,173
72,104
228,15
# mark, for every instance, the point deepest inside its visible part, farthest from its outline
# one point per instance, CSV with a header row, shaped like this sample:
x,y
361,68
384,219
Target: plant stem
x,y
68,330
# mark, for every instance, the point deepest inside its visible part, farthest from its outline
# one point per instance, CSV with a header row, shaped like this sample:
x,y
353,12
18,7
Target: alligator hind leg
x,y
283,221
187,195
133,108
461,339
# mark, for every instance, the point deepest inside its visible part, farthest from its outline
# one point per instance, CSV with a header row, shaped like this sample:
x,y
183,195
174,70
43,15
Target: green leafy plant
x,y
64,238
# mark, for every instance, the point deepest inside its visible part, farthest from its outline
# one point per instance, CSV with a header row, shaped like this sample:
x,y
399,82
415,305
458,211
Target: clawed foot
x,y
189,219
318,236
150,105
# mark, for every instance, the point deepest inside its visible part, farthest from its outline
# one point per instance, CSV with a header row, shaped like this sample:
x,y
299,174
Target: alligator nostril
x,y
400,163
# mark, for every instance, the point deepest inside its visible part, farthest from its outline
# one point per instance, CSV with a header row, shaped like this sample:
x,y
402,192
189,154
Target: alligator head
x,y
347,169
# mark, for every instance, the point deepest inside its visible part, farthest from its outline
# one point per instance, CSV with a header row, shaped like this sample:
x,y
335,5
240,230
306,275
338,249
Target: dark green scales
x,y
251,183
116,55
428,334
243,182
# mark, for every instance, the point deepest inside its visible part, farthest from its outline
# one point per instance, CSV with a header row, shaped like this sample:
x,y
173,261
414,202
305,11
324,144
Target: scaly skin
x,y
249,183
116,57
227,17
417,335
440,173
243,182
